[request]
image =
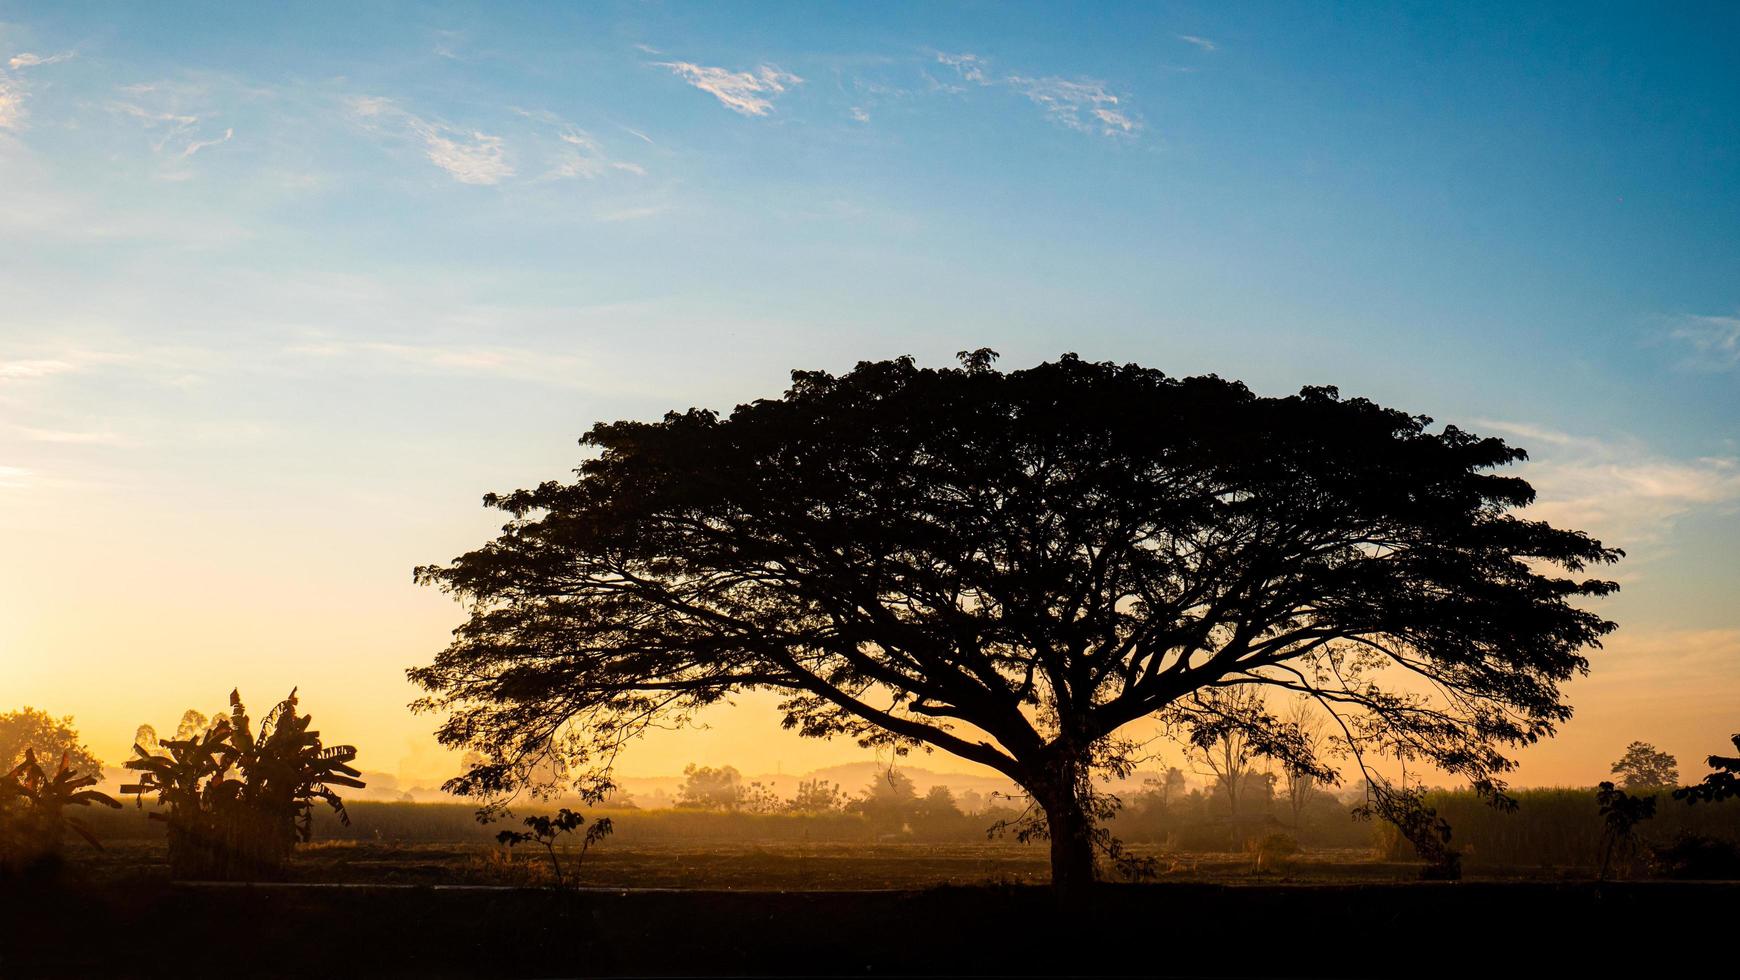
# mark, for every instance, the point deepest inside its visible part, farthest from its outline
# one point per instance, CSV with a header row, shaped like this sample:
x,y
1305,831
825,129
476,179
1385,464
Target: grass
x,y
1552,830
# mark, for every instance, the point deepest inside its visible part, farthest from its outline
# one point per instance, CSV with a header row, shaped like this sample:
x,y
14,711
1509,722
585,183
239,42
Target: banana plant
x,y
37,798
237,800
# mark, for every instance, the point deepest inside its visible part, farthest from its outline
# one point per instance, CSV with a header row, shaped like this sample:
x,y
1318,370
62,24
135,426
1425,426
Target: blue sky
x,y
282,293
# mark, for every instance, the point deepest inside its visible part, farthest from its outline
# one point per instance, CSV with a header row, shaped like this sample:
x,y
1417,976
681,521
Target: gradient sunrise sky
x,y
282,294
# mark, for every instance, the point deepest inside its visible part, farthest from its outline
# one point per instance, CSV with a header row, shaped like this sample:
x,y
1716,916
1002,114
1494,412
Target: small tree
x,y
1301,781
815,796
31,801
1221,739
548,830
1643,766
707,788
936,812
758,797
887,801
30,728
1621,813
145,736
192,723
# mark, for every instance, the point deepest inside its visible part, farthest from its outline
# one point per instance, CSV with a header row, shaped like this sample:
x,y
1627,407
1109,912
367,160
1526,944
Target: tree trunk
x,y
1070,828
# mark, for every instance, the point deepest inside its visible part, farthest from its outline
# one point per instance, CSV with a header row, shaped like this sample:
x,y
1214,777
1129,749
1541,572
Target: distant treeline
x,y
1550,827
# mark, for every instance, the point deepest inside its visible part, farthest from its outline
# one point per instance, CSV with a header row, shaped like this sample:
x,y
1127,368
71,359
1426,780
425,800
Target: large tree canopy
x,y
1013,567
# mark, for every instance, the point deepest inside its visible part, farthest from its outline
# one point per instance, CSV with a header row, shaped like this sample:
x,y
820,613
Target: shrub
x,y
31,822
236,802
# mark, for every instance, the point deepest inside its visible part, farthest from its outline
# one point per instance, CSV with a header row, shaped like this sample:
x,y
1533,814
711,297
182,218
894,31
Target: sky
x,y
283,293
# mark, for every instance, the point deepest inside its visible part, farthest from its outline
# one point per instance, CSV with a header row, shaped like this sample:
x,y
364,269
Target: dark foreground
x,y
170,929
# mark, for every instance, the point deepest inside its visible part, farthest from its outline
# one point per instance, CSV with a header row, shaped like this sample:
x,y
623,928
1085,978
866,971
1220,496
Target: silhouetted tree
x,y
1167,787
707,788
758,797
1225,744
1722,783
145,736
31,801
815,796
1643,766
51,737
1620,814
1301,781
887,800
547,831
192,723
1013,567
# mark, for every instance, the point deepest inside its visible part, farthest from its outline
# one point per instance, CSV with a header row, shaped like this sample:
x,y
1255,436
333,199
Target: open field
x,y
1553,833
422,890
740,865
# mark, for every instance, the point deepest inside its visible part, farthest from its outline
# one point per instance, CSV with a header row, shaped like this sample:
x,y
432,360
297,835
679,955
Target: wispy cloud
x,y
576,153
468,157
197,145
14,478
24,370
860,115
1712,342
1201,42
969,66
750,93
14,91
475,159
634,214
1085,106
501,362
1081,104
1618,489
29,60
11,103
162,109
72,438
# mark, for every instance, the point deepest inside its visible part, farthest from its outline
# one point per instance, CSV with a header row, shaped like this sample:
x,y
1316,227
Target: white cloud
x,y
197,145
1713,341
469,158
14,478
750,93
28,60
1618,490
11,103
475,159
969,66
1201,42
580,156
1083,105
174,124
860,115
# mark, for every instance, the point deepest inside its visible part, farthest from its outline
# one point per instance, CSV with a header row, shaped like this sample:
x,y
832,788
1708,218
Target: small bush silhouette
x,y
547,831
32,825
